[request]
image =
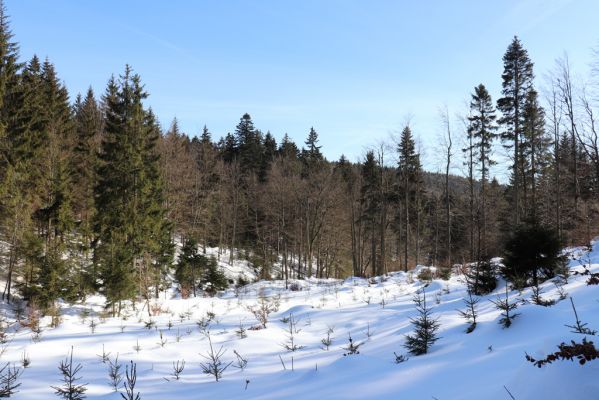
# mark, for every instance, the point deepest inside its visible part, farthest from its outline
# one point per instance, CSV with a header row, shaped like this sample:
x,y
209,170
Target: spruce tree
x,y
425,327
409,172
14,194
517,81
482,128
288,149
371,205
189,268
88,121
133,234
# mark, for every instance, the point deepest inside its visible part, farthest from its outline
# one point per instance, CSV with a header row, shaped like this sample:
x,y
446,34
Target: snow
x,y
459,366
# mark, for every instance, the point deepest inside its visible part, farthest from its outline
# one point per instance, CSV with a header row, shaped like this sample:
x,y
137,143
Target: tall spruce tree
x,y
130,222
14,204
517,81
88,121
535,151
371,205
482,129
409,172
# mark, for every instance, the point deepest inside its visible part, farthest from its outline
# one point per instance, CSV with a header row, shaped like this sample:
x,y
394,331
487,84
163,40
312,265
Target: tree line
x,y
95,195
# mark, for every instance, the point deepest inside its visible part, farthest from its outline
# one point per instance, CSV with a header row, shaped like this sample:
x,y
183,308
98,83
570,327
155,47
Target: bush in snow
x,y
425,327
583,352
263,309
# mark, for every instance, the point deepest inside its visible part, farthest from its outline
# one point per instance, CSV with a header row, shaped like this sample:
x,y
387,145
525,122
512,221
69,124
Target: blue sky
x,y
355,70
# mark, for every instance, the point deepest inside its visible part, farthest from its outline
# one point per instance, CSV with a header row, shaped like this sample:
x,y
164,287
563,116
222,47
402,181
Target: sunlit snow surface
x,y
460,365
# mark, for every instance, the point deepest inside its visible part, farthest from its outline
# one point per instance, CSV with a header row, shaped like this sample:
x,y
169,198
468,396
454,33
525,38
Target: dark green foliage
x,y
532,253
214,279
425,327
131,227
482,278
190,267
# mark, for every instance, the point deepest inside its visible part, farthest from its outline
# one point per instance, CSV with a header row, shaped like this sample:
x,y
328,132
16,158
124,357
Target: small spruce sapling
x,y
115,374
328,340
70,390
425,327
130,381
178,368
579,326
471,312
214,365
104,357
507,309
241,362
9,380
292,330
352,347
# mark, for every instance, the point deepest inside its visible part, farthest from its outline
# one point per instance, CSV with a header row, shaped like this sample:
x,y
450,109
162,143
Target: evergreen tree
x,y
482,129
531,253
214,279
15,202
189,268
288,149
371,205
249,145
133,234
425,327
409,172
88,120
517,82
535,150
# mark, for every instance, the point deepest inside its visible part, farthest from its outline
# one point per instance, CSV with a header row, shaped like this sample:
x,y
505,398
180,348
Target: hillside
x,y
375,313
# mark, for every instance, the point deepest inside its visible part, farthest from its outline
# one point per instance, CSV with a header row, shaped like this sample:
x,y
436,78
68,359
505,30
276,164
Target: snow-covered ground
x,y
376,313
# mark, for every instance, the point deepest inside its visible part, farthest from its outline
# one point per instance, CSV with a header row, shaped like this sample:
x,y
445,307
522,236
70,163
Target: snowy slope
x,y
460,365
